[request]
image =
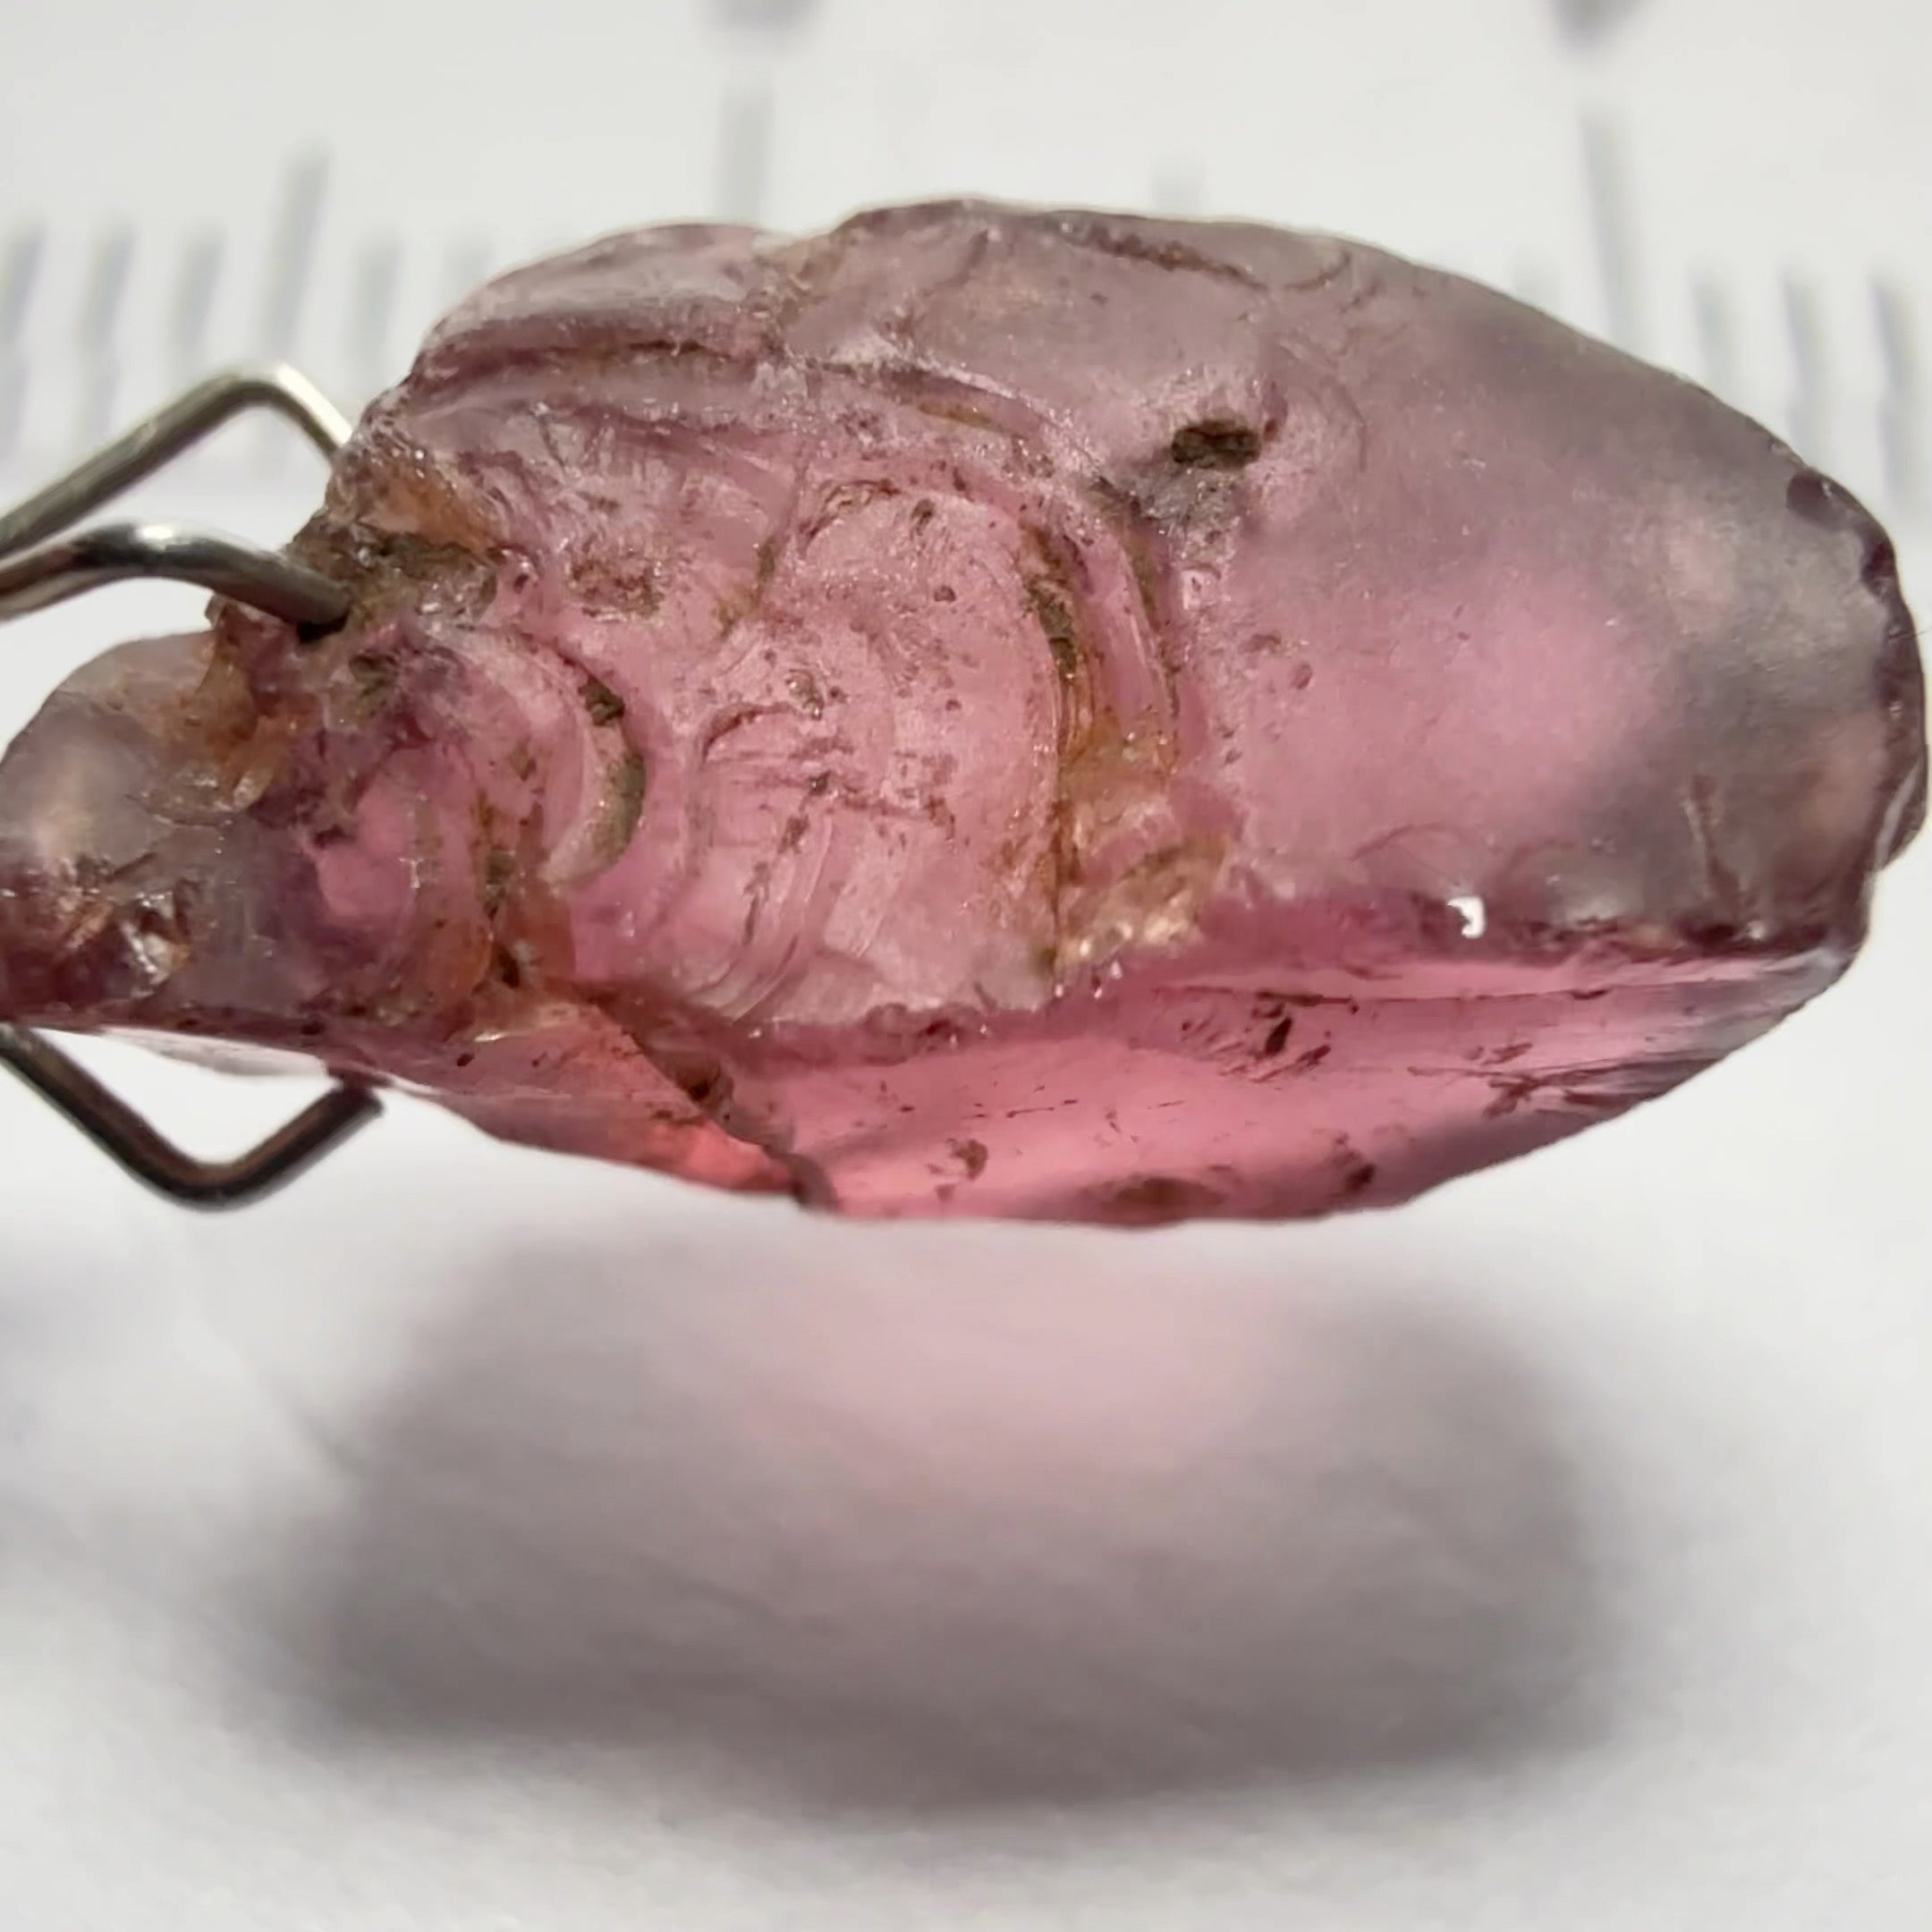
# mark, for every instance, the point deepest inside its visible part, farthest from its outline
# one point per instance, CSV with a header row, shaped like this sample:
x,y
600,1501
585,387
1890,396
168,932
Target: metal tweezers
x,y
43,561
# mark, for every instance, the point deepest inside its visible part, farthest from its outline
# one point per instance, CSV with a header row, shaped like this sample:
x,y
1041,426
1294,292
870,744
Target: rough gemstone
x,y
1000,712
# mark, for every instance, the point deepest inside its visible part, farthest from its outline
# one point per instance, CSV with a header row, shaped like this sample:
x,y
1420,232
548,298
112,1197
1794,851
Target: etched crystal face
x,y
987,711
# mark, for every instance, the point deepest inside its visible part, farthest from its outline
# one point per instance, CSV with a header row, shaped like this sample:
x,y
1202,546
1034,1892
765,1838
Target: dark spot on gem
x,y
1058,622
1880,572
1717,934
804,689
603,704
499,866
702,1081
613,585
1216,443
1817,499
1511,1092
725,723
375,676
1312,1058
1277,1036
627,788
313,1028
1156,1199
1360,1174
971,1155
944,594
1580,1097
507,967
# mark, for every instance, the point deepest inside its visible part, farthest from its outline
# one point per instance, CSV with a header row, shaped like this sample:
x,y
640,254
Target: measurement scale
x,y
114,294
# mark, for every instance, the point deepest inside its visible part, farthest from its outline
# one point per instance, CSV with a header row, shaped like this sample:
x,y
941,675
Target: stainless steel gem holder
x,y
43,560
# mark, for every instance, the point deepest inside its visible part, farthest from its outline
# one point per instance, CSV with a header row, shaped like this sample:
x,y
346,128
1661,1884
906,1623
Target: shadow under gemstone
x,y
908,1518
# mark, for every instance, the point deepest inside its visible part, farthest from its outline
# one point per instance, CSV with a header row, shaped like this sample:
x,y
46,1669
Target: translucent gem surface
x,y
999,712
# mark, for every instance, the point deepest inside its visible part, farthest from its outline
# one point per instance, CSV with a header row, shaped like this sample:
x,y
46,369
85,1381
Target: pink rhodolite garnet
x,y
997,712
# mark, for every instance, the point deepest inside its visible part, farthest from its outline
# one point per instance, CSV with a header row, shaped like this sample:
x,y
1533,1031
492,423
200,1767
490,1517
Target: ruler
x,y
111,297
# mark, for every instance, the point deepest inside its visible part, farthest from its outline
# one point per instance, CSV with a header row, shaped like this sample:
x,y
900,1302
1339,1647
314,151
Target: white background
x,y
470,1538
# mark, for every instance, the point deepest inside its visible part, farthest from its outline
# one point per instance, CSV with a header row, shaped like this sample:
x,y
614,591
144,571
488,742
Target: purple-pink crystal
x,y
996,712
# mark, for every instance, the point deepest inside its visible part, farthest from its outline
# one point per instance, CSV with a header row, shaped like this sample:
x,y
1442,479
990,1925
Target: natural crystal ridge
x,y
996,712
